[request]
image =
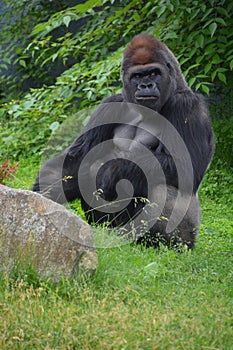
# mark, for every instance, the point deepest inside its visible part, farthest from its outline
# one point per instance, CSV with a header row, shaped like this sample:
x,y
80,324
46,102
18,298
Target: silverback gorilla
x,y
140,159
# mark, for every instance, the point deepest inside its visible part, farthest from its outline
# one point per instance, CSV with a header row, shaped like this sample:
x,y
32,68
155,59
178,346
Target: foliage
x,y
17,18
218,182
201,40
7,170
96,47
26,124
200,35
224,139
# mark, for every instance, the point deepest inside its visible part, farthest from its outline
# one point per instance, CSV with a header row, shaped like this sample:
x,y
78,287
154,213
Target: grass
x,y
138,299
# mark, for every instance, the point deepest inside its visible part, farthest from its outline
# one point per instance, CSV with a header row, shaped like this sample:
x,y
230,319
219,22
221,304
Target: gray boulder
x,y
37,230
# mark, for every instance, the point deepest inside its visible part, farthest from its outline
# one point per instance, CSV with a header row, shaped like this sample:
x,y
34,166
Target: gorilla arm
x,y
188,113
97,130
58,177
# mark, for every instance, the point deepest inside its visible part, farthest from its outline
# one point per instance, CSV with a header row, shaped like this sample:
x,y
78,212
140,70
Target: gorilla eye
x,y
155,73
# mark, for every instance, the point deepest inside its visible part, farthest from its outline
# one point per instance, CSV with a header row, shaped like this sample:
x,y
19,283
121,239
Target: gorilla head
x,y
151,73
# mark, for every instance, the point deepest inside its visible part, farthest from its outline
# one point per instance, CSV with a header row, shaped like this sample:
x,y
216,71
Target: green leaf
x,y
54,126
22,63
89,94
197,86
213,75
205,89
54,56
211,49
28,104
203,8
160,10
207,68
136,17
206,14
200,41
222,11
222,77
216,59
38,28
231,64
199,59
15,108
212,28
191,81
221,21
66,21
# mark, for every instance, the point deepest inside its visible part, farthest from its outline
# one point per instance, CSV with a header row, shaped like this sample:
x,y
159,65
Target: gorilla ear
x,y
169,66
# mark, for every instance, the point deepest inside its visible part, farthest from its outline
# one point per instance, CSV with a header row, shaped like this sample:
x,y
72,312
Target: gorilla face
x,y
148,85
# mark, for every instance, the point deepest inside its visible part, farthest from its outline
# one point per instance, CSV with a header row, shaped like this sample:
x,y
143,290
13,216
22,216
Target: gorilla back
x,y
142,156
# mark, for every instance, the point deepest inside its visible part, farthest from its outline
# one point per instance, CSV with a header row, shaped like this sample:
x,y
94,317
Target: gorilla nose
x,y
146,86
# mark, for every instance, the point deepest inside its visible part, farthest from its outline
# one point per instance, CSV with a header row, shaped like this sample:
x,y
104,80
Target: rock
x,y
37,230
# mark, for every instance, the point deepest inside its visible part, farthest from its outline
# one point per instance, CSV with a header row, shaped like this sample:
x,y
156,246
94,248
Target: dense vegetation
x,y
139,298
83,45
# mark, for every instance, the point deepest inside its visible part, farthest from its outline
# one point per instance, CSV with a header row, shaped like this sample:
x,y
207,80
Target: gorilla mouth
x,y
147,97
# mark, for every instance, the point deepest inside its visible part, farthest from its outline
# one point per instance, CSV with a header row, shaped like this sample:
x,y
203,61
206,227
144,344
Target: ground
x,y
138,299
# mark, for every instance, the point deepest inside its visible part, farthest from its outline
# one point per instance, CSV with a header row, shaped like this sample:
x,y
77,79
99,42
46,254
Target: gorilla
x,y
141,158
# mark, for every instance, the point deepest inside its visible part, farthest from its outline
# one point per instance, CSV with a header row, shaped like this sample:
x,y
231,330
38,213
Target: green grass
x,y
138,299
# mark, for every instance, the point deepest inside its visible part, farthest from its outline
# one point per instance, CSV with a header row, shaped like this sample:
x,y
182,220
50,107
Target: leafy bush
x,y
26,124
200,35
17,68
224,140
195,33
218,182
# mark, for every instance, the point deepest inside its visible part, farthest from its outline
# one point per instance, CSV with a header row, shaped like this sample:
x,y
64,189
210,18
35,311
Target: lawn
x,y
139,298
